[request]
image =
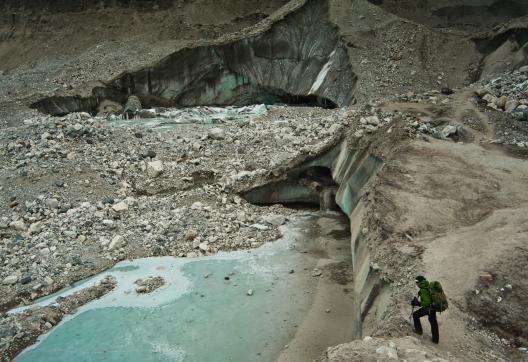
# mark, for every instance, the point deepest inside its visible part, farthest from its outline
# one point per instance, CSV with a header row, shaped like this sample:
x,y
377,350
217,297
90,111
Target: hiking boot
x,y
418,332
435,342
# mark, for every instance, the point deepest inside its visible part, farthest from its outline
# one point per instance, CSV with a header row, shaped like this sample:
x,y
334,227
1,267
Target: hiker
x,y
426,309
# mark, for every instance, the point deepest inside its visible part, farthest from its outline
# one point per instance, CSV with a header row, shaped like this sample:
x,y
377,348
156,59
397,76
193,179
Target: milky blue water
x,y
206,116
202,313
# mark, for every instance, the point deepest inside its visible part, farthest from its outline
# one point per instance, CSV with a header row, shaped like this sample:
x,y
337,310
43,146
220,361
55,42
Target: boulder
x,y
501,102
154,168
510,105
216,133
52,203
18,225
147,113
120,207
109,107
197,206
481,92
142,289
10,280
35,228
449,131
132,105
117,242
373,120
491,99
521,113
358,133
274,219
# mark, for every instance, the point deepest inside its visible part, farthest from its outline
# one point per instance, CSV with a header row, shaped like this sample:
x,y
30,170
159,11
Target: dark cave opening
x,y
310,188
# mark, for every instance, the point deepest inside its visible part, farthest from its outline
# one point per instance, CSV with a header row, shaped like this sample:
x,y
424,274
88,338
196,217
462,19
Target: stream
x,y
288,300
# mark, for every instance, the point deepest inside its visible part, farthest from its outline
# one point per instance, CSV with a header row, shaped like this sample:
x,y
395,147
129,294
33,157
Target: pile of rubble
x,y
148,285
82,195
380,349
508,93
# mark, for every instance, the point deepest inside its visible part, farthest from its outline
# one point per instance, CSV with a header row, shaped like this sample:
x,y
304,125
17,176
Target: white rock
x,y
141,289
131,201
108,222
18,225
197,206
317,272
241,175
37,287
260,227
334,128
10,280
52,203
387,351
120,207
274,219
523,69
35,228
449,131
373,120
216,133
250,292
117,242
154,168
204,247
370,128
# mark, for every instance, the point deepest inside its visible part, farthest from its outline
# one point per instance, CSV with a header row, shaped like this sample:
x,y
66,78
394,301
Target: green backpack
x,y
438,297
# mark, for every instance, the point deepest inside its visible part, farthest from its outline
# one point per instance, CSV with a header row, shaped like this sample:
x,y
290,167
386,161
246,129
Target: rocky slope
x,y
448,199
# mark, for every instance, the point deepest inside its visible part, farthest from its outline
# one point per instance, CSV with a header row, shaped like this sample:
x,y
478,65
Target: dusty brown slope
x,y
455,212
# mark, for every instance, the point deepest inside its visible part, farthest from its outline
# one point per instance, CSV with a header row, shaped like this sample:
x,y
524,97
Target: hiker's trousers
x,y
432,320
